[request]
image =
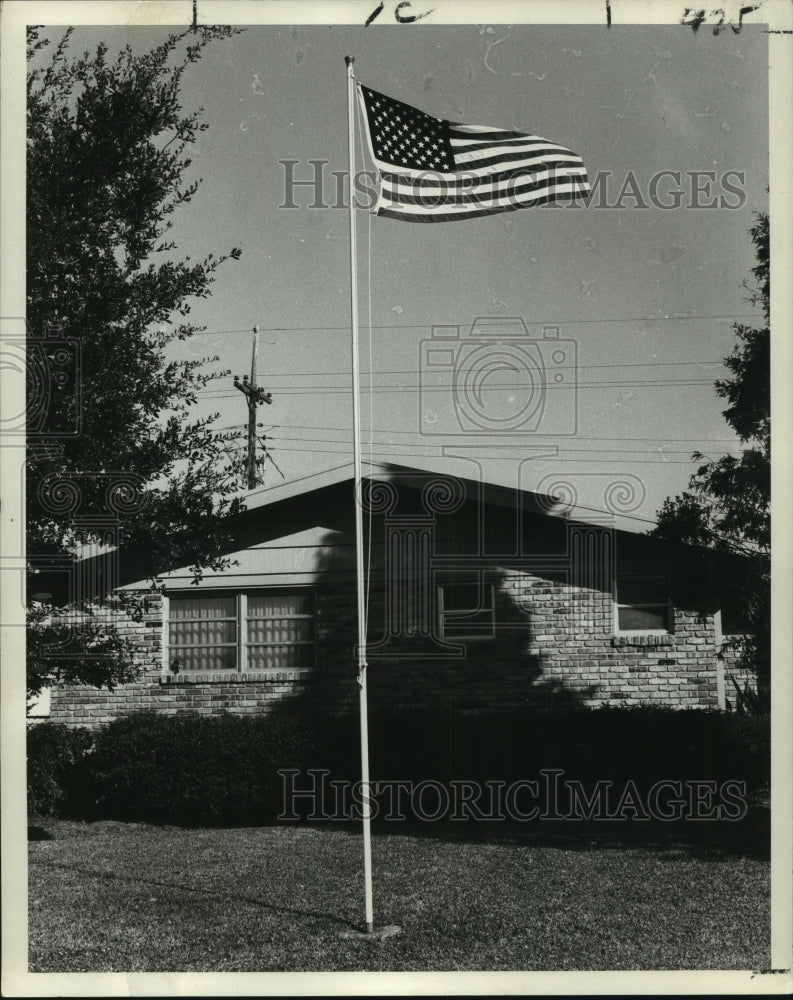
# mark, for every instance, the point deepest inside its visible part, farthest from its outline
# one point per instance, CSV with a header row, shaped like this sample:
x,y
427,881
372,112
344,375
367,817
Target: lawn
x,y
120,897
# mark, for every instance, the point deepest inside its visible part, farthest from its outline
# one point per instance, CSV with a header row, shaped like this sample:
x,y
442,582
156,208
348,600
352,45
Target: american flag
x,y
433,170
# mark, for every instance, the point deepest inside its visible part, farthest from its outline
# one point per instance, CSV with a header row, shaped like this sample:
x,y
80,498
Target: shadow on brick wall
x,y
449,630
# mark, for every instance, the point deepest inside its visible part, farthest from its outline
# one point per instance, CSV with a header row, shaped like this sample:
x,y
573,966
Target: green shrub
x,y
192,769
55,767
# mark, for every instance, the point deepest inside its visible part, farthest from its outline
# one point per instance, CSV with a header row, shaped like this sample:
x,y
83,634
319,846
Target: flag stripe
x,y
483,175
449,215
409,191
460,146
479,162
524,193
484,132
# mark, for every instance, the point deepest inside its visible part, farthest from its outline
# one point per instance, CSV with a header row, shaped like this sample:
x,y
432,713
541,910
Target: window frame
x,y
310,616
197,595
668,604
487,586
242,665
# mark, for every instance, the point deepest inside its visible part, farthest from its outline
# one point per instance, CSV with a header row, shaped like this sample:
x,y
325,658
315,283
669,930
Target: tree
x,y
107,168
727,503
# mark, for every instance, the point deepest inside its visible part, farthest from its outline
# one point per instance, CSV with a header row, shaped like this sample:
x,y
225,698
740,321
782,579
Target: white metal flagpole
x,y
356,420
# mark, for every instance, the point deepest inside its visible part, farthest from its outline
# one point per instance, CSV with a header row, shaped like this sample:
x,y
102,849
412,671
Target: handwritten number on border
x,y
695,16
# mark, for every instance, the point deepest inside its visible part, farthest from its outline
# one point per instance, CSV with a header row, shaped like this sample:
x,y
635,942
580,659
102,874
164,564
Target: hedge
x,y
56,758
640,744
194,769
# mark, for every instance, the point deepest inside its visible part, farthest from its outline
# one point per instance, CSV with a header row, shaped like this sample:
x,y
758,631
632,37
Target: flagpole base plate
x,y
376,934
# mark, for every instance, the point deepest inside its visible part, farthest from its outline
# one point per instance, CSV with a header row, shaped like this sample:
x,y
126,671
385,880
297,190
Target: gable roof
x,y
298,501
492,492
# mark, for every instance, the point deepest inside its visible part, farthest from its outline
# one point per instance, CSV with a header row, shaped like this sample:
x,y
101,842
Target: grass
x,y
124,897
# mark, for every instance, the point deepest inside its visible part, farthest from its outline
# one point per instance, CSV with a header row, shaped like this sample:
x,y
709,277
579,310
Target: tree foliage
x,y
107,168
67,646
727,503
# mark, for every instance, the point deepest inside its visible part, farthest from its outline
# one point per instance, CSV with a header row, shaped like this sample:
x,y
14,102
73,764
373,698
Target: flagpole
x,y
356,420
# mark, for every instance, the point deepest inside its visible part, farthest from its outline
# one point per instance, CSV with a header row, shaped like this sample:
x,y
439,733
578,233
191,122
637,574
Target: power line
x,y
337,390
610,365
466,325
412,371
301,479
578,437
423,454
430,443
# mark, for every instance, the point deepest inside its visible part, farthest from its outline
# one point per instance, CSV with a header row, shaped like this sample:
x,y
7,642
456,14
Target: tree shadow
x,y
476,656
427,683
455,691
711,841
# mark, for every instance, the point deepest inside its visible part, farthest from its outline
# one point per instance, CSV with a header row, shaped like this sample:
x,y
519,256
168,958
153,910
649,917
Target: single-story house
x,y
478,597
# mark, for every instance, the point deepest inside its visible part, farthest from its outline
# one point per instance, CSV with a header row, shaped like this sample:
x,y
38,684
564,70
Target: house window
x,y
256,630
280,630
202,633
643,604
466,606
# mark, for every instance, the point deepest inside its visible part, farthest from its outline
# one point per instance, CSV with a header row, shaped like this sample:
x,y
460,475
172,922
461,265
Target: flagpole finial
x,y
349,60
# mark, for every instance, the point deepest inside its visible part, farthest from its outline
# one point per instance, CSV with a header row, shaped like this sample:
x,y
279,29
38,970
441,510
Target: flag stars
x,y
405,136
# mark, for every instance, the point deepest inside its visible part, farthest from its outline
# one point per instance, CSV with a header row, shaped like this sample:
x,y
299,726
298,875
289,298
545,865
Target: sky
x,y
648,295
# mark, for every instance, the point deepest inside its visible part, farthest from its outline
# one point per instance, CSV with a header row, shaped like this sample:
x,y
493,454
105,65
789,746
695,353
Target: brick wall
x,y
555,645
259,691
583,652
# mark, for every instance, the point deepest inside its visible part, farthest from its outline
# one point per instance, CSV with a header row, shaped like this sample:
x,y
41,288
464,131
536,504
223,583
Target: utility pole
x,y
255,396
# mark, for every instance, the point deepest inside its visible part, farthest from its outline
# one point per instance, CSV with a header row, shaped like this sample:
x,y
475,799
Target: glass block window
x,y
255,630
202,632
643,604
280,630
467,607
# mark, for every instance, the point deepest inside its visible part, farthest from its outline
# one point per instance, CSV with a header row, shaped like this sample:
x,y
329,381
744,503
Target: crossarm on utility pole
x,y
255,396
